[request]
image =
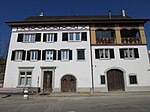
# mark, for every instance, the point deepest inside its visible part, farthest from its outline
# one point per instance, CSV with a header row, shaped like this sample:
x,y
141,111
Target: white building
x,y
76,53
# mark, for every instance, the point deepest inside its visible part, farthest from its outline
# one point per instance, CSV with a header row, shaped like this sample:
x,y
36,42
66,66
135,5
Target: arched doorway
x,y
115,80
68,83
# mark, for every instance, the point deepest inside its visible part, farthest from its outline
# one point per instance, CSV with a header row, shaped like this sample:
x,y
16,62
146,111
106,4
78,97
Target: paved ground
x,y
100,102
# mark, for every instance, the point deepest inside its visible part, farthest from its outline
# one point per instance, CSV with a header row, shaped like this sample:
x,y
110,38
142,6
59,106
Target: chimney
x,y
41,14
123,13
109,14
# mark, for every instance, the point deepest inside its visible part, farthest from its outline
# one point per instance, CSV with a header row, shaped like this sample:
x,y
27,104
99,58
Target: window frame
x,y
50,55
133,81
18,55
78,57
74,36
35,53
51,37
65,52
25,76
102,80
29,37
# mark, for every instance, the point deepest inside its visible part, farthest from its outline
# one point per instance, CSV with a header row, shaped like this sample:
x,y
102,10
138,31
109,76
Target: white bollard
x,y
25,96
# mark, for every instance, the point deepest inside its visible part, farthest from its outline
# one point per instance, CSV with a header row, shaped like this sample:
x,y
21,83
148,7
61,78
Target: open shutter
x,y
23,55
13,55
84,36
43,54
54,54
28,55
112,56
38,37
97,54
70,54
55,37
59,54
44,37
121,53
65,37
136,53
20,38
39,54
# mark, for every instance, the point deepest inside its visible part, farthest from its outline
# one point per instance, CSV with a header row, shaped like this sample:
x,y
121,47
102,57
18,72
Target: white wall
x,y
80,69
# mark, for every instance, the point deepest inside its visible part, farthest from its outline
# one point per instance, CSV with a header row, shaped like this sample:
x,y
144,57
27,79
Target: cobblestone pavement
x,y
75,102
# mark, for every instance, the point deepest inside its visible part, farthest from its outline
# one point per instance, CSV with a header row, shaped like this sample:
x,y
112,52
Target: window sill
x,y
48,60
83,60
64,60
18,60
33,60
50,42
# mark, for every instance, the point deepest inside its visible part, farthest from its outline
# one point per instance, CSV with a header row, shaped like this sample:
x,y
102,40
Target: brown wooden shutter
x,y
84,36
13,55
112,56
38,37
44,37
20,38
97,54
136,53
65,37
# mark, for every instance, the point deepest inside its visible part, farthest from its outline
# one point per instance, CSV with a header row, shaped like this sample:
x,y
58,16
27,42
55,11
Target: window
x,y
80,54
33,55
102,77
65,54
29,37
105,33
74,36
133,79
25,78
49,37
49,55
104,53
18,55
129,53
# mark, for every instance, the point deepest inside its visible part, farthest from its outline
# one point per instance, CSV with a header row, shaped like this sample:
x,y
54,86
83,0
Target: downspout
x,y
92,91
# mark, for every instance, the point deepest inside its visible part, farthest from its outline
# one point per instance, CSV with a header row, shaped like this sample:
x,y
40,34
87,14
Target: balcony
x,y
130,40
105,40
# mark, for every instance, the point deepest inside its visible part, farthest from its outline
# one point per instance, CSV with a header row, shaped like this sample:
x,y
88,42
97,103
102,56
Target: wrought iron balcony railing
x,y
130,40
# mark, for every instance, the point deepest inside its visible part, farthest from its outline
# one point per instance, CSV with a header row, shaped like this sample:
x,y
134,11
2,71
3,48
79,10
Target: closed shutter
x,y
39,54
97,54
54,54
70,54
20,38
136,53
55,37
23,55
28,55
121,53
65,37
112,56
44,37
43,54
38,37
59,54
84,36
13,55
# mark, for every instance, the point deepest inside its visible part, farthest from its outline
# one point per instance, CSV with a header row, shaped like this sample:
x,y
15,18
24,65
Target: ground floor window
x,y
102,78
25,78
133,79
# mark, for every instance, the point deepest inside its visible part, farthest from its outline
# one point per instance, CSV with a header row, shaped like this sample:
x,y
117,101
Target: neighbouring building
x,y
78,53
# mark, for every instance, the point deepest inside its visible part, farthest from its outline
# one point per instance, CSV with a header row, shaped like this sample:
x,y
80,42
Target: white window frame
x,y
29,37
18,55
64,55
33,55
49,55
74,34
50,37
133,74
104,52
25,76
129,53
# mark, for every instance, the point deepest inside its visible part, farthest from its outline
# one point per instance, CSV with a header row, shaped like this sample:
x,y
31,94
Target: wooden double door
x,y
115,80
47,82
68,83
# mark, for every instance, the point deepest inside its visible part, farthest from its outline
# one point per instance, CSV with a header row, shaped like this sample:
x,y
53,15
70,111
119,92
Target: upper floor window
x,y
104,53
80,54
105,33
129,53
65,54
49,55
29,37
33,55
18,55
74,36
49,37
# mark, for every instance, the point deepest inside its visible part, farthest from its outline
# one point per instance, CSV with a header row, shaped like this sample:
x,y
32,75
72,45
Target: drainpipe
x,y
92,91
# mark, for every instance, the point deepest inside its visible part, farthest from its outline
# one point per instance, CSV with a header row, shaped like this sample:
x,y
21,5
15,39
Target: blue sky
x,y
12,10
